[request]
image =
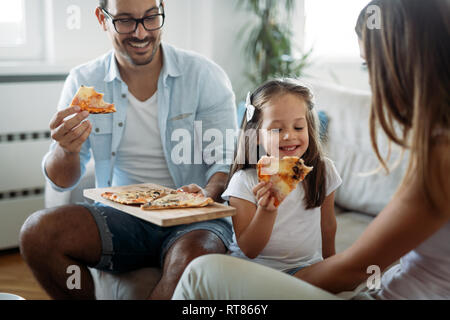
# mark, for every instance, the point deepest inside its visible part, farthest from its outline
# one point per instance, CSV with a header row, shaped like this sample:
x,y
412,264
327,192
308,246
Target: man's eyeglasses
x,y
129,25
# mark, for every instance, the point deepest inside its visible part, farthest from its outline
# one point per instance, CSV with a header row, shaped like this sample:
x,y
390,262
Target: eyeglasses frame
x,y
137,21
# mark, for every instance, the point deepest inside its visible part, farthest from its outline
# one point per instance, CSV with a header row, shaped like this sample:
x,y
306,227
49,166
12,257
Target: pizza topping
x,y
153,198
179,199
136,196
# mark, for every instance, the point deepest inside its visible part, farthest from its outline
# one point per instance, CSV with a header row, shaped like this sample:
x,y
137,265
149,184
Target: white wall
x,y
226,47
210,27
348,74
71,46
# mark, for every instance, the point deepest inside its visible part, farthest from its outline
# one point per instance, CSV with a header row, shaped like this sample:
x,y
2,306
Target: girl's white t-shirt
x,y
296,239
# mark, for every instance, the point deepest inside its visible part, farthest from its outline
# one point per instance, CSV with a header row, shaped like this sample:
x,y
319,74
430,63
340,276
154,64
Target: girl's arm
x,y
328,226
405,223
253,224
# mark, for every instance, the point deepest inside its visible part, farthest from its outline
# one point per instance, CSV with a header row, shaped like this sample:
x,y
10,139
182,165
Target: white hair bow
x,y
250,108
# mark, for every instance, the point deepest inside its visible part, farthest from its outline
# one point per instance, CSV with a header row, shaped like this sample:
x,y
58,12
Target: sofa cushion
x,y
348,145
350,226
133,285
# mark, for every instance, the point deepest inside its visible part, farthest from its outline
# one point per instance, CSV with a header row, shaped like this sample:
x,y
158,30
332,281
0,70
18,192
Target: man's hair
x,y
104,3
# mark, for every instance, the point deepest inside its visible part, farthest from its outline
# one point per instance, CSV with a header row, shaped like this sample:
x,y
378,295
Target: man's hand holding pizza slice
x,y
71,133
70,129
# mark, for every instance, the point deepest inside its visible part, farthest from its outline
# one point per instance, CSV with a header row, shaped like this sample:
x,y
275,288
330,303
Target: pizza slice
x,y
284,174
90,100
179,199
135,196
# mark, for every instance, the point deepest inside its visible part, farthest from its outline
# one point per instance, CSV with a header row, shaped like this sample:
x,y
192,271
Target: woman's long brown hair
x,y
315,182
409,70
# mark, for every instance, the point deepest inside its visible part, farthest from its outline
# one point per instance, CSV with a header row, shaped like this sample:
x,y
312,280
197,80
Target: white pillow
x,y
132,285
349,146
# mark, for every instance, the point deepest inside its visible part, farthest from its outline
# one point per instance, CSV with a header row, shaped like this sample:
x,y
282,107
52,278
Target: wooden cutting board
x,y
164,217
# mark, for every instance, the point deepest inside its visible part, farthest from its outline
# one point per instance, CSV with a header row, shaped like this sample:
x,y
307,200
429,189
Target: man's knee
x,y
197,243
192,245
58,228
37,229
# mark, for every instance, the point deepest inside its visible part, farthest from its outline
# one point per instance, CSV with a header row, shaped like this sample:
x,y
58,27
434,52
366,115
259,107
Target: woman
x,y
409,69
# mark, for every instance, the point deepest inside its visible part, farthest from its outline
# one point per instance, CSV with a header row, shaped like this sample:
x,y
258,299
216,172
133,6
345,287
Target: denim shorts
x,y
129,243
294,270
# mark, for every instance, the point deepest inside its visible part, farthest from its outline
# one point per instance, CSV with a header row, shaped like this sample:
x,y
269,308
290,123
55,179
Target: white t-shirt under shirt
x,y
140,156
296,239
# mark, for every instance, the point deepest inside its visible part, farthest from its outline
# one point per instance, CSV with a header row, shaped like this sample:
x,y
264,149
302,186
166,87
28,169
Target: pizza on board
x,y
90,100
151,198
284,174
136,196
179,199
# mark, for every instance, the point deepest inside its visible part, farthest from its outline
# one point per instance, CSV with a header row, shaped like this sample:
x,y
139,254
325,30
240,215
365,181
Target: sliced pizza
x,y
179,199
284,174
136,196
90,100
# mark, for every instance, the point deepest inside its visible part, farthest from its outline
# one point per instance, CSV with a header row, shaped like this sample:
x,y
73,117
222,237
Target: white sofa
x,y
363,193
358,200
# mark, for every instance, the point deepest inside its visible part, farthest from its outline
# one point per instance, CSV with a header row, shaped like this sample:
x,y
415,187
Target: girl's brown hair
x,y
409,69
314,183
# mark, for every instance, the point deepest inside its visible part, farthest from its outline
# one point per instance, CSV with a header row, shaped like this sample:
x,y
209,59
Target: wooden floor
x,y
16,277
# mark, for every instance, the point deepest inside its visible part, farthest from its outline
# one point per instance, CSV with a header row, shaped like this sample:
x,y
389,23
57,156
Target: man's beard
x,y
153,41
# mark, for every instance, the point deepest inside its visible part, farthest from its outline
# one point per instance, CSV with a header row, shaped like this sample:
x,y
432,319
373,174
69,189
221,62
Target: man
x,y
156,89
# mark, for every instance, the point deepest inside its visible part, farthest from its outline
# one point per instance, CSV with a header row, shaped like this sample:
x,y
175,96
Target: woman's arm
x,y
253,224
407,221
328,226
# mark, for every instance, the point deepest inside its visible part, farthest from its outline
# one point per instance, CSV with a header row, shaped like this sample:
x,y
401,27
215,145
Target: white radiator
x,y
26,107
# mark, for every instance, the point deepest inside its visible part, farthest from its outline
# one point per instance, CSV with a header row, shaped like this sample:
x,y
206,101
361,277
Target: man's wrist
x,y
216,186
205,192
213,193
69,155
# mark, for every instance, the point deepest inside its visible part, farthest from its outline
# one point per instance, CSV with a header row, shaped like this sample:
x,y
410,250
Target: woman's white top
x,y
423,273
296,239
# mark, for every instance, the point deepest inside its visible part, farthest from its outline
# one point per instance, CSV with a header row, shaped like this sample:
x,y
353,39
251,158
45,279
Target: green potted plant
x,y
268,40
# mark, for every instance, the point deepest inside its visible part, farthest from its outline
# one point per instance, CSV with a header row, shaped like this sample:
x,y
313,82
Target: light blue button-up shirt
x,y
194,97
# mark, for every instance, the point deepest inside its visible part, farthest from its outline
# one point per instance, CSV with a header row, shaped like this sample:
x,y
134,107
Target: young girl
x,y
301,231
